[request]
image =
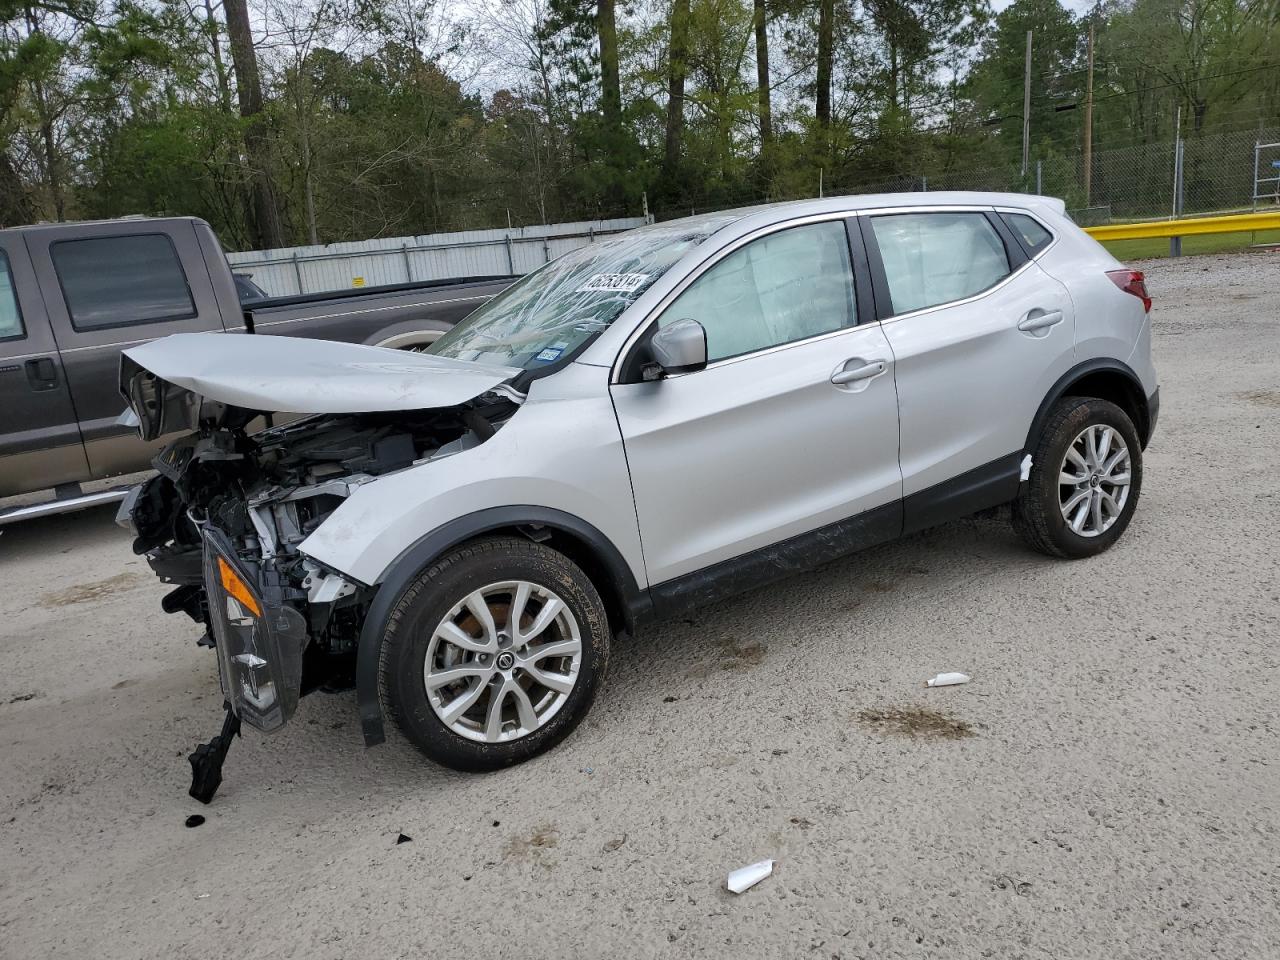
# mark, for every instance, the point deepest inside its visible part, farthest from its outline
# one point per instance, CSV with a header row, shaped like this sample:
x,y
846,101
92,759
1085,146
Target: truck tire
x,y
493,654
1086,475
425,333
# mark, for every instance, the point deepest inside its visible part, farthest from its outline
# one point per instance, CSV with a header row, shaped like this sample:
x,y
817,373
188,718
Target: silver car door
x,y
792,426
979,334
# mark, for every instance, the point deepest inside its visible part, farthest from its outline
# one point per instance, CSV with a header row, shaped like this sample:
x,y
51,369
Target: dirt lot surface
x,y
1107,786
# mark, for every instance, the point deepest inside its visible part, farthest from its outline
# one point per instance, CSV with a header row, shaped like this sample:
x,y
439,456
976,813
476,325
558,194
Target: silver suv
x,y
644,425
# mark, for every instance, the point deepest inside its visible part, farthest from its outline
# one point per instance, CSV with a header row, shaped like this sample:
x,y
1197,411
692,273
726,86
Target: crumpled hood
x,y
161,379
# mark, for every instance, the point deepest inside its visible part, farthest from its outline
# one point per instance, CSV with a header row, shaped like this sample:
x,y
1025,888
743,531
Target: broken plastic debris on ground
x,y
744,878
947,680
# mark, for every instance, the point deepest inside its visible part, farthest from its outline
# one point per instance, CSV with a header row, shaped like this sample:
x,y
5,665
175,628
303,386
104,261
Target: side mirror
x,y
680,347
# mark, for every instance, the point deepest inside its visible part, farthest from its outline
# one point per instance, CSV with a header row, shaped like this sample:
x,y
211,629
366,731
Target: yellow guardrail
x,y
1232,223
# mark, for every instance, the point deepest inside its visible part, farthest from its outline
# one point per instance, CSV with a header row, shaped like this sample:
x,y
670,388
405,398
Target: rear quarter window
x,y
118,281
1029,231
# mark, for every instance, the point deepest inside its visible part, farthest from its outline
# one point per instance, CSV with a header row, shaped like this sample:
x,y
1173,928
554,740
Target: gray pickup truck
x,y
73,295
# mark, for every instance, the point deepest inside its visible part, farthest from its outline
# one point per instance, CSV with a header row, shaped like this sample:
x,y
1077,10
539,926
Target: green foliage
x,y
387,117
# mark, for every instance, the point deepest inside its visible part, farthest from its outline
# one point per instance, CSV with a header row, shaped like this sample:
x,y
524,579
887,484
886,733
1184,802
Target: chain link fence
x,y
1127,183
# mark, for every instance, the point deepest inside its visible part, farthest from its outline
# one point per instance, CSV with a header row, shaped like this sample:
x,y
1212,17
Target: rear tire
x,y
494,654
1086,475
424,334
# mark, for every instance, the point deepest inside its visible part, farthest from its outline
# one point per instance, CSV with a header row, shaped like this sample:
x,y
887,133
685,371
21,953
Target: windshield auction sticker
x,y
614,282
552,353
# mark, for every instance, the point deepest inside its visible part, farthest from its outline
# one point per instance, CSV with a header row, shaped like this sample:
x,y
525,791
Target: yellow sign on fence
x,y
357,281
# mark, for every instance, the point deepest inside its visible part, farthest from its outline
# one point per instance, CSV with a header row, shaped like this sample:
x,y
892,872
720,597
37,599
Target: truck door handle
x,y
42,374
845,375
1040,320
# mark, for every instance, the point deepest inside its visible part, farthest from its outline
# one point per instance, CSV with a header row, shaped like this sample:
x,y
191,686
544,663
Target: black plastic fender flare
x,y
434,545
1081,370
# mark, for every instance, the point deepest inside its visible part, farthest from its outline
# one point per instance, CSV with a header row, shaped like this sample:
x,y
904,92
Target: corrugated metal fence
x,y
372,263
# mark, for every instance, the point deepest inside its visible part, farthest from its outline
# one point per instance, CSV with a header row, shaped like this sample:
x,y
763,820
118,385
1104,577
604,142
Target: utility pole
x,y
1088,123
1026,109
1175,243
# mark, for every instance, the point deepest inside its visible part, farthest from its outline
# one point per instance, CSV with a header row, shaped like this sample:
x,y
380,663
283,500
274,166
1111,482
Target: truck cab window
x,y
10,318
117,281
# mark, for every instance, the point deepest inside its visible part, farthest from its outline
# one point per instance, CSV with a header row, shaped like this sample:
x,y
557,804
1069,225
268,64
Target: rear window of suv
x,y
117,281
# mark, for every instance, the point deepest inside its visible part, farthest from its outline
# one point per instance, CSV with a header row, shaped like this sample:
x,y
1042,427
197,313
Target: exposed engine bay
x,y
236,496
225,515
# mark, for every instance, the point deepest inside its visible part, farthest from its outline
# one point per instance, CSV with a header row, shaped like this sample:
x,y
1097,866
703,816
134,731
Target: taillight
x,y
1134,282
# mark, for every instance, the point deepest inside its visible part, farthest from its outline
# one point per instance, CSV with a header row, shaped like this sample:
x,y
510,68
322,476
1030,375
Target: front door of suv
x,y
793,425
980,334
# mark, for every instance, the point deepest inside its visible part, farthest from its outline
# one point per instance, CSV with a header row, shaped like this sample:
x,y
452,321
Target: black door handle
x,y
42,374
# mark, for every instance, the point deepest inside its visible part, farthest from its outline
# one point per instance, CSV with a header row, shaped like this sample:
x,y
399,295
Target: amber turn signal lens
x,y
237,588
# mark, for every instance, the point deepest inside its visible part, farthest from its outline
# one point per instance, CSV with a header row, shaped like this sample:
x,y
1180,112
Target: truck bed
x,y
74,295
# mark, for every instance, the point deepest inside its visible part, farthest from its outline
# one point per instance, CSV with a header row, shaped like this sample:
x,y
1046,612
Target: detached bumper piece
x,y
206,760
259,637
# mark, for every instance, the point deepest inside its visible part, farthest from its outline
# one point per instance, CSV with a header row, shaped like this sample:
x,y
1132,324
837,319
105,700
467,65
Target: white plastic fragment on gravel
x,y
947,680
744,878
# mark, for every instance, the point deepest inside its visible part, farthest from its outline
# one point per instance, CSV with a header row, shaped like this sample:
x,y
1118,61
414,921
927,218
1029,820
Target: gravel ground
x,y
1107,786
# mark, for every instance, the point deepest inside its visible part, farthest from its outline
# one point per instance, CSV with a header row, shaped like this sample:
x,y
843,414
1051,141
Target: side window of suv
x,y
787,286
116,281
10,317
934,258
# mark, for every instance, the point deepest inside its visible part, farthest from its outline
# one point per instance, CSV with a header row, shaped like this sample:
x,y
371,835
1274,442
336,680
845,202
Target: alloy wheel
x,y
1094,480
503,661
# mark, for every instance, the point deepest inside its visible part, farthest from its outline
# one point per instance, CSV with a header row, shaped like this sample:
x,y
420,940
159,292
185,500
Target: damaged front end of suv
x,y
223,519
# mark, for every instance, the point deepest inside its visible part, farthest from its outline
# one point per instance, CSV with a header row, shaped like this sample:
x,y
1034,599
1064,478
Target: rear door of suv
x,y
979,334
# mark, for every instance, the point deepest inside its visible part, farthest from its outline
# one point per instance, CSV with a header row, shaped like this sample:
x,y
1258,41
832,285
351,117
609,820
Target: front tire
x,y
1086,474
494,654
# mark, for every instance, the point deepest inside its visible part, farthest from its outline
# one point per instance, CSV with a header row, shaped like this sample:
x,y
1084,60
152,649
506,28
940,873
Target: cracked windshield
x,y
555,310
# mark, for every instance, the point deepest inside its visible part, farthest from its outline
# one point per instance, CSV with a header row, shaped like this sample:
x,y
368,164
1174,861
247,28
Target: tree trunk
x,y
764,93
822,99
266,215
893,75
309,193
219,66
52,162
51,159
677,69
1199,107
762,77
15,206
610,85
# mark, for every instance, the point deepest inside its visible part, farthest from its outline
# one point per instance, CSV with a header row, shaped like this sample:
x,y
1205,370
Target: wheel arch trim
x,y
1062,387
403,332
634,600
